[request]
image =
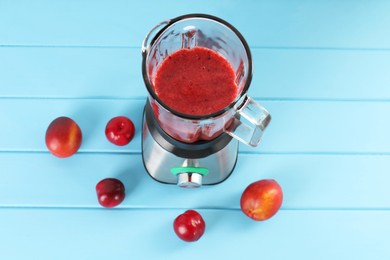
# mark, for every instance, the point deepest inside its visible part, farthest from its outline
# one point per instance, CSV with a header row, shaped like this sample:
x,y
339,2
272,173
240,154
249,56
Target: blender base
x,y
170,168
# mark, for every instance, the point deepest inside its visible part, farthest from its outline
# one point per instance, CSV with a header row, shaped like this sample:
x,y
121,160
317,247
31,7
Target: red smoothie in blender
x,y
196,81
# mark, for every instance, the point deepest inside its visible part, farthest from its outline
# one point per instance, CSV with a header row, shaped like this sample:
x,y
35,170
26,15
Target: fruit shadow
x,y
88,116
226,217
289,172
293,184
170,243
131,175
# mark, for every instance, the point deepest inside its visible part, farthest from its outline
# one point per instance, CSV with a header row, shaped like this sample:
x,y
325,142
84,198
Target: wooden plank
x,y
71,73
321,74
116,73
148,234
296,127
308,182
298,23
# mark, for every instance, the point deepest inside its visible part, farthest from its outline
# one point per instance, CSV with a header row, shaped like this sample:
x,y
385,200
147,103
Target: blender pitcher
x,y
193,138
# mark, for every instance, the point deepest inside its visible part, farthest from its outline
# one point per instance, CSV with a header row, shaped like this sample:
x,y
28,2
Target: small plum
x,y
110,192
120,130
189,226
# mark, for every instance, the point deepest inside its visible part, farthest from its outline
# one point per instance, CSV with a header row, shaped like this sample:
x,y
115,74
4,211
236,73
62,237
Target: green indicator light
x,y
200,170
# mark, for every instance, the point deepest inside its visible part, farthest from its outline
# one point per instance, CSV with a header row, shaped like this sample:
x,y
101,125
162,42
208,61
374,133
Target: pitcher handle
x,y
257,119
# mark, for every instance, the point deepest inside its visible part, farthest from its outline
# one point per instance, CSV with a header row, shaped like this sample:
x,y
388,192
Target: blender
x,y
193,150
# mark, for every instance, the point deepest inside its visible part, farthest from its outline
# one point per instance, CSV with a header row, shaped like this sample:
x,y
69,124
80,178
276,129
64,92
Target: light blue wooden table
x,y
322,68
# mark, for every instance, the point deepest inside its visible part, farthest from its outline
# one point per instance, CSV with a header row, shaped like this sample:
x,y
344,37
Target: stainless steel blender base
x,y
166,167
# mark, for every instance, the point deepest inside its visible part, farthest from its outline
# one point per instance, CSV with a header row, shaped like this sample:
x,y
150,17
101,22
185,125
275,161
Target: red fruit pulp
x,y
189,226
63,137
120,130
110,192
196,81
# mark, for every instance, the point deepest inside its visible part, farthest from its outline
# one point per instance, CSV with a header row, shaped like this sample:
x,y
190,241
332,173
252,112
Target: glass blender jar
x,y
192,150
